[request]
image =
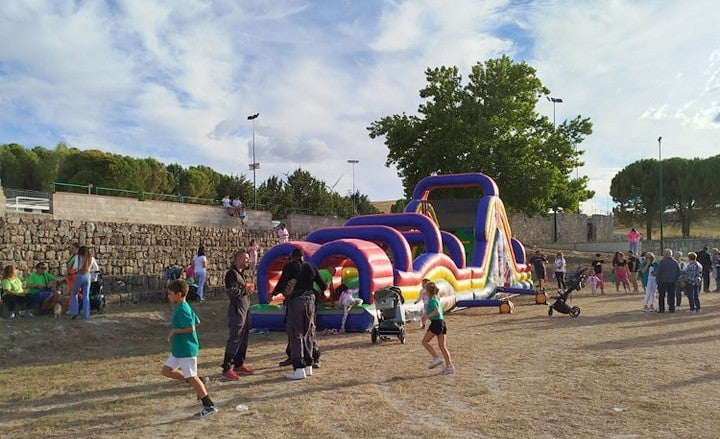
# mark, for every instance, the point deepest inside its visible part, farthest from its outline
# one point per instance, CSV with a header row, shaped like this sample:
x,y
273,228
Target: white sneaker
x,y
437,361
12,315
297,374
448,370
308,371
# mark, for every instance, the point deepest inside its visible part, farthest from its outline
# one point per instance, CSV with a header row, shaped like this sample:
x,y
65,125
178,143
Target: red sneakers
x,y
230,375
242,370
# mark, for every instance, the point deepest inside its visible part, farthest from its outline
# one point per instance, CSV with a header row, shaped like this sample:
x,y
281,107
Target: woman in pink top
x,y
634,238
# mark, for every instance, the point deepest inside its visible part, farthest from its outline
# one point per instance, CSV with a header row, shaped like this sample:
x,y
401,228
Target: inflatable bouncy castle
x,y
371,252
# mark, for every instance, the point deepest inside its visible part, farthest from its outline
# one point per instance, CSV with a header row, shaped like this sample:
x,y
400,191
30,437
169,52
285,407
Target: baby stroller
x,y
97,298
572,283
391,318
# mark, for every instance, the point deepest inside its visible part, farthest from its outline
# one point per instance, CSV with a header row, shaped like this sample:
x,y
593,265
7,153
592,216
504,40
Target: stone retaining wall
x,y
132,257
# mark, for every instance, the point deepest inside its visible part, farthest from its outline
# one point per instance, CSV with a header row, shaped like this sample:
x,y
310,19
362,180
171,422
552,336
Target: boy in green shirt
x,y
185,347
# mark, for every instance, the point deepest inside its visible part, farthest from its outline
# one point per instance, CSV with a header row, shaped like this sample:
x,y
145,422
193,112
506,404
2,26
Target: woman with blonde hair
x,y
85,268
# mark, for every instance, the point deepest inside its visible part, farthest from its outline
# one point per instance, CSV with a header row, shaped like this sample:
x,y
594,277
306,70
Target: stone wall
x,y
132,257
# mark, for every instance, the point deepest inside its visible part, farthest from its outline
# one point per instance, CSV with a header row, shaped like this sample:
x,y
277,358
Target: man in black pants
x,y
703,257
298,276
238,319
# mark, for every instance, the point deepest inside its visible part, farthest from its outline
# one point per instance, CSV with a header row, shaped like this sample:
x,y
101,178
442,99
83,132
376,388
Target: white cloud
x,y
177,79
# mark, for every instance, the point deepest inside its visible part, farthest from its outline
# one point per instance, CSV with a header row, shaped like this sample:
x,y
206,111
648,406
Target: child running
x,y
185,347
437,327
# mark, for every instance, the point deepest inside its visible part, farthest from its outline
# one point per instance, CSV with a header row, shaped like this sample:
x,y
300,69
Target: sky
x,y
176,79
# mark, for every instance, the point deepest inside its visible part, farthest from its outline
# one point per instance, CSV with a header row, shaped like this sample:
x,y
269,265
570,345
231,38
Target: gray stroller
x,y
391,317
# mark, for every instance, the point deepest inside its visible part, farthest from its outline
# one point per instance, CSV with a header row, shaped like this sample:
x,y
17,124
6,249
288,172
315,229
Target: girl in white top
x,y
283,234
87,270
560,269
200,267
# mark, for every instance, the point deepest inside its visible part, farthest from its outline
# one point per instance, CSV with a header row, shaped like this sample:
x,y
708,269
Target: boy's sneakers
x,y
242,370
230,375
448,370
12,315
206,411
437,361
297,374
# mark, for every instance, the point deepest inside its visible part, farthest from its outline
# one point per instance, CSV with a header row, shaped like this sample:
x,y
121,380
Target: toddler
x,y
347,301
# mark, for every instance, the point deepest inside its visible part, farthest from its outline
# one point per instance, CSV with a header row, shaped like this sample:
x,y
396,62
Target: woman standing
x,y
85,268
200,271
560,269
620,268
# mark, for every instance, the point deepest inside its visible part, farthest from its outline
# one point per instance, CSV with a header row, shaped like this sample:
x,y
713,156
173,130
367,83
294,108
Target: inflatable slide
x,y
371,252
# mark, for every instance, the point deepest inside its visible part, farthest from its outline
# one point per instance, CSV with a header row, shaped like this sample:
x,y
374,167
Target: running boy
x,y
437,328
185,347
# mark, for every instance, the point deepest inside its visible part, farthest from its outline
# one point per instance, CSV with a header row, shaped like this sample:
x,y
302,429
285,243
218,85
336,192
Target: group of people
x,y
664,280
234,207
40,291
300,284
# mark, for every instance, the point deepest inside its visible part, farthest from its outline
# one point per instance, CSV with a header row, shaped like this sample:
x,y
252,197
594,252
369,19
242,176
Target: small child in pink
x,y
423,296
347,301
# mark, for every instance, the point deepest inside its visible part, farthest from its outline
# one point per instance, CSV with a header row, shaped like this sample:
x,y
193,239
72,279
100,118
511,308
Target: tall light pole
x,y
661,204
555,225
353,162
554,101
254,166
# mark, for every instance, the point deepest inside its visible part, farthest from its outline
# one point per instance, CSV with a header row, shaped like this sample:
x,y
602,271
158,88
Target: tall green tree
x,y
635,190
19,167
490,125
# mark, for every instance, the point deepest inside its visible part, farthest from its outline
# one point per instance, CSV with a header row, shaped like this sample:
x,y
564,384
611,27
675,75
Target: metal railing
x,y
23,204
140,195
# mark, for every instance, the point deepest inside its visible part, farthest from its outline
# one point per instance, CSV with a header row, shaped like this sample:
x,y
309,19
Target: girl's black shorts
x,y
438,327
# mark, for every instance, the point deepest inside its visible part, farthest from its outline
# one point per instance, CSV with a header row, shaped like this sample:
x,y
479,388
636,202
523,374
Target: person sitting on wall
x,y
42,289
227,204
236,206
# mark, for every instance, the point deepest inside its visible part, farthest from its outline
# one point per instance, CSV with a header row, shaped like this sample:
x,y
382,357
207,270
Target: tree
x,y
19,167
489,125
635,189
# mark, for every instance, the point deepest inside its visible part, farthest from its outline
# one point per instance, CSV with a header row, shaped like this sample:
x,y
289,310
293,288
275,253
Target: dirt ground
x,y
613,372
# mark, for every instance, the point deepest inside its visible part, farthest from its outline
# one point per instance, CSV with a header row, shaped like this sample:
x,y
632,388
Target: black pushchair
x,y
391,317
97,298
572,283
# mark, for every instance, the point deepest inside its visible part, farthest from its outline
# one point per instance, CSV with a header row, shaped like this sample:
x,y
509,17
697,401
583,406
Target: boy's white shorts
x,y
188,365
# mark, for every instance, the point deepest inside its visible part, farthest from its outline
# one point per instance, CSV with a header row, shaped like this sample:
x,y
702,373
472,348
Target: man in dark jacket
x,y
296,284
238,318
703,257
667,273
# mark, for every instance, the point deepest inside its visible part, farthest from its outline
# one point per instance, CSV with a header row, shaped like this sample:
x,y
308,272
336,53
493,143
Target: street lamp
x,y
555,226
662,206
554,101
254,166
353,162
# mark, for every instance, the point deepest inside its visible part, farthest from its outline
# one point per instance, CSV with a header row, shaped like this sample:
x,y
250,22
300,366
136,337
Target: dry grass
x,y
613,372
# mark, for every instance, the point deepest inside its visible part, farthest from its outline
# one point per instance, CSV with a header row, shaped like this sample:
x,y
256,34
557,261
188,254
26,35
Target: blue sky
x,y
176,79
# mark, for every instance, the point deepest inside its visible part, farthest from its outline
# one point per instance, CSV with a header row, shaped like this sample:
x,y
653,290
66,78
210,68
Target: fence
x,y
140,195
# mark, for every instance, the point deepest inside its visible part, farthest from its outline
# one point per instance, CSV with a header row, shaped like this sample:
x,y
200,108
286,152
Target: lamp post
x,y
554,101
353,162
555,227
660,192
254,166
